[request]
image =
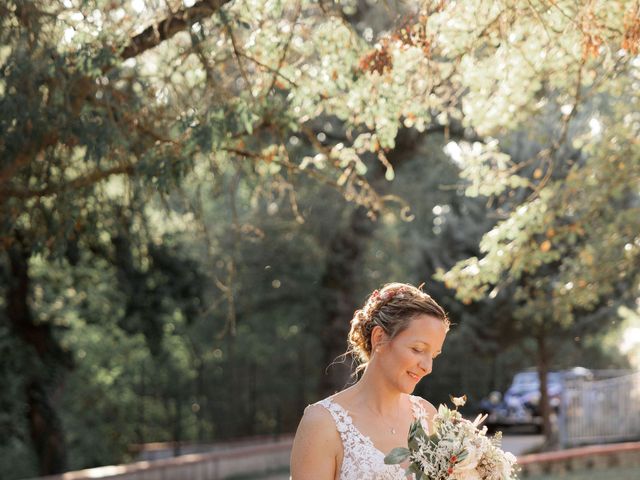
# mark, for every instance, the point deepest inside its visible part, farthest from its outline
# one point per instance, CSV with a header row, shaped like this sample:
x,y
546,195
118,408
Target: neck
x,y
375,393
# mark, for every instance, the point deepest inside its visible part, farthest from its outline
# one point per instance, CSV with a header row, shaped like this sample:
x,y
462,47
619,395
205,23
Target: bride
x,y
395,336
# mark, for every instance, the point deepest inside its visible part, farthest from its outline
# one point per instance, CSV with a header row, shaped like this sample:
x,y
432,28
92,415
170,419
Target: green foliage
x,y
579,192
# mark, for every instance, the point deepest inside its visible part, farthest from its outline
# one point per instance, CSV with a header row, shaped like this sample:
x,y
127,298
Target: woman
x,y
395,336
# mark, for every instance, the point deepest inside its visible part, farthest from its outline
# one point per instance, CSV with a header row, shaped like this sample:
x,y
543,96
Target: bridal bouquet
x,y
457,450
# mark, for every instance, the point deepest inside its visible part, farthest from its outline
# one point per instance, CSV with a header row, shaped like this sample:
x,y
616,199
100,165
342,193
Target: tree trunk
x,y
201,396
177,425
141,412
46,433
343,272
232,367
254,393
44,425
342,275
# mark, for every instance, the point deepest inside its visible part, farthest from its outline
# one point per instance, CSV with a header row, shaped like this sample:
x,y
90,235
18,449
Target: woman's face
x,y
408,357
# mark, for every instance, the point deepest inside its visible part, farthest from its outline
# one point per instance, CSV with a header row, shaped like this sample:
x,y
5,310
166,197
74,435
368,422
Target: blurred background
x,y
196,196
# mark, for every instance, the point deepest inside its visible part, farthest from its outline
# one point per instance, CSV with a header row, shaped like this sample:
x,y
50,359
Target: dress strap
x,y
340,416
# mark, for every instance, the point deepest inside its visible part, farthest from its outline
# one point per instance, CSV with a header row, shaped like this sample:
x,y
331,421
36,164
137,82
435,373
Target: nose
x,y
426,365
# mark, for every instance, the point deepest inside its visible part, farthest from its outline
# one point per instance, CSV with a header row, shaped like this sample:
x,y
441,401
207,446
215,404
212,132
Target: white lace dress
x,y
361,459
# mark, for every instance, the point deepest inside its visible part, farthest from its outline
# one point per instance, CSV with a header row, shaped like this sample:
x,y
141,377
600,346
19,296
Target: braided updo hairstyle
x,y
392,308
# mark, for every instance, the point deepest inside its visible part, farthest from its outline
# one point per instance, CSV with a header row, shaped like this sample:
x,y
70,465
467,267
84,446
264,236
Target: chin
x,y
407,388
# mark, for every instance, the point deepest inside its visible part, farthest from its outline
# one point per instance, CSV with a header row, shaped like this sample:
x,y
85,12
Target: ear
x,y
378,337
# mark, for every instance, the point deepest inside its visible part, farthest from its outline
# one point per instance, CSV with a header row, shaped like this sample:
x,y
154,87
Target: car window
x,y
525,378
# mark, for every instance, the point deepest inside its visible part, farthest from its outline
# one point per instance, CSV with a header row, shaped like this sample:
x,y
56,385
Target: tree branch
x,y
153,35
149,38
79,182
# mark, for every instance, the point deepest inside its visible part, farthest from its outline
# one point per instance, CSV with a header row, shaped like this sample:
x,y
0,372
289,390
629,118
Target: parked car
x,y
520,404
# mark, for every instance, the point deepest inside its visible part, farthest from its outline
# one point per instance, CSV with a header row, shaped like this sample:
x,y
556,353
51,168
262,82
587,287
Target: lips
x,y
414,376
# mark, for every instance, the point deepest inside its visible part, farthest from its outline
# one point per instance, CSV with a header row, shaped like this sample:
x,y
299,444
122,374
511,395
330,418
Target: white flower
x,y
507,462
467,475
511,458
479,419
470,462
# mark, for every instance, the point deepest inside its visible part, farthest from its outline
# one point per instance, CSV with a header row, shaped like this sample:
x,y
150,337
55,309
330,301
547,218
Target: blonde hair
x,y
392,308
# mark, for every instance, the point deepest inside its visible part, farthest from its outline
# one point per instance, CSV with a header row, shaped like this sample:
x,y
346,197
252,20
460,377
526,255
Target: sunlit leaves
x,y
560,63
488,169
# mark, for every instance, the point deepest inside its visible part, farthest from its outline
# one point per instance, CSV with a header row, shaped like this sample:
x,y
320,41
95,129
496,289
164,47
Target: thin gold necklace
x,y
391,428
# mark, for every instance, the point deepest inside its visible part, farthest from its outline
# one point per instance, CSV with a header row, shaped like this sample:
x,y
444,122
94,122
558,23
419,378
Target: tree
x,y
567,243
84,119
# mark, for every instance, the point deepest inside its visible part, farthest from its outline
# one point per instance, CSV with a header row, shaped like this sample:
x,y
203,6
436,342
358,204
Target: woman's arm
x,y
316,446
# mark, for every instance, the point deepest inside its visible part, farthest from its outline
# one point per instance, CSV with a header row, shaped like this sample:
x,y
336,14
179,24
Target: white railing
x,y
244,460
601,411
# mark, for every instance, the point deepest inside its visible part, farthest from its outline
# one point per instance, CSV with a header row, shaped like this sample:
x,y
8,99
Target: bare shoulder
x,y
319,418
316,446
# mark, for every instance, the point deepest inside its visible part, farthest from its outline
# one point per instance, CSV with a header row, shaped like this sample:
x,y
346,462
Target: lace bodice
x,y
361,459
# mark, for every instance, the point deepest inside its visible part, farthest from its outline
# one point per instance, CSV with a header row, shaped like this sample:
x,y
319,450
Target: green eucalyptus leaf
x,y
397,455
